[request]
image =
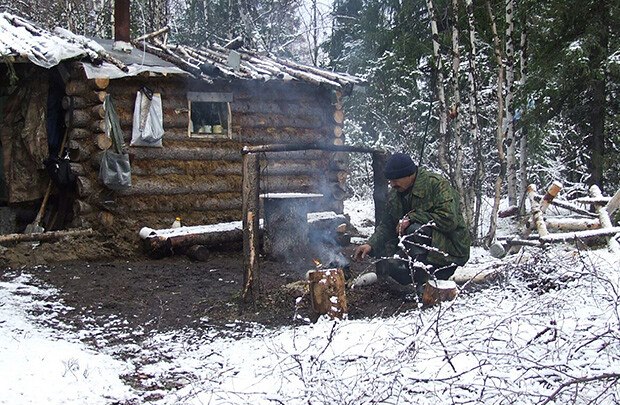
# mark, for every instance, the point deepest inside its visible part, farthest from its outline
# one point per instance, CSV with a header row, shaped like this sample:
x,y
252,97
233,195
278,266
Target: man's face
x,y
402,184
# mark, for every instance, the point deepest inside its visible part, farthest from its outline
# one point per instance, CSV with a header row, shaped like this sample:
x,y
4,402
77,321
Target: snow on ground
x,y
39,365
547,331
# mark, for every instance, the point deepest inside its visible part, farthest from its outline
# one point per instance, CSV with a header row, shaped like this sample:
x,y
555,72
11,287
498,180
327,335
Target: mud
x,y
104,278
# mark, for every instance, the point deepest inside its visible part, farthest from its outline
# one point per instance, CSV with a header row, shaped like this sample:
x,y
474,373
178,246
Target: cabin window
x,y
209,115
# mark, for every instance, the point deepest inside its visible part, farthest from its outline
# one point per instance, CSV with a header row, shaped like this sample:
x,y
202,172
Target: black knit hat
x,y
399,165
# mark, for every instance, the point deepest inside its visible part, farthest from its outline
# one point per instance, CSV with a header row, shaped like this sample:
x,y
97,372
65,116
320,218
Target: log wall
x,y
200,179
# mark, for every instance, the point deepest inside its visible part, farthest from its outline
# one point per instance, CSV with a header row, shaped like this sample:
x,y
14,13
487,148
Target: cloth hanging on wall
x,y
115,170
148,122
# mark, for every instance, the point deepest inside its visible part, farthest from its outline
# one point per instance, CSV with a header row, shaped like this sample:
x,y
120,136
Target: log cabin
x,y
215,101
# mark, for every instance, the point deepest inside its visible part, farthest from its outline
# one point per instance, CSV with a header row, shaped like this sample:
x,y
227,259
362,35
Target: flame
x,y
317,262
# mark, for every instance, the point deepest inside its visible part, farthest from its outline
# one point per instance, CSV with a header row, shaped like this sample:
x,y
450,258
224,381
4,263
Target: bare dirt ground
x,y
101,277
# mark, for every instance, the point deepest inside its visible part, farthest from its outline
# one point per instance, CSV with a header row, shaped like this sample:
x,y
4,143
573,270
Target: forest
x,y
495,95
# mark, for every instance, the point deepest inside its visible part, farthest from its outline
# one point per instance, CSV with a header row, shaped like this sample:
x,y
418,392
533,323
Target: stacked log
x,y
583,227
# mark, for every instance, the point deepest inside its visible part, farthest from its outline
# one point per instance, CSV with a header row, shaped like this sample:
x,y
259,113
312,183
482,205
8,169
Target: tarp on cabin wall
x,y
24,141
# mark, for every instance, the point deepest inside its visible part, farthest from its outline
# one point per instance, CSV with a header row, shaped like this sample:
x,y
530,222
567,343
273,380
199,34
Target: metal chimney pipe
x,y
121,20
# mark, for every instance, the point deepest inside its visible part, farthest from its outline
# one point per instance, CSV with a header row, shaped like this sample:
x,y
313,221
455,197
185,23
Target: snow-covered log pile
x,y
234,61
572,222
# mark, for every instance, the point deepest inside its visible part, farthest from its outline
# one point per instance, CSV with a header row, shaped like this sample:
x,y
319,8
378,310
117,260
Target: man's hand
x,y
402,225
362,251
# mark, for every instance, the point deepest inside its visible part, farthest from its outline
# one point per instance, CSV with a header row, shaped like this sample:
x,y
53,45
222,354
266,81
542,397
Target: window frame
x,y
210,97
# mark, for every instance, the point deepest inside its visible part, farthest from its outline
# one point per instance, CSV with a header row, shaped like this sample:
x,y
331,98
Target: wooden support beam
x,y
251,214
603,216
538,208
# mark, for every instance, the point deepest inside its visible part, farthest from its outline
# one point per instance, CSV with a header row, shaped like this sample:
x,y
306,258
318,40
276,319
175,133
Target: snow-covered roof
x,y
215,60
21,39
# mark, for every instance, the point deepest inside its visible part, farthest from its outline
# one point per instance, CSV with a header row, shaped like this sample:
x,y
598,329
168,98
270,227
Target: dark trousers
x,y
416,268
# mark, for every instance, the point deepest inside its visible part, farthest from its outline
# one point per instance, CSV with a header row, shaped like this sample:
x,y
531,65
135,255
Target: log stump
x,y
327,292
436,291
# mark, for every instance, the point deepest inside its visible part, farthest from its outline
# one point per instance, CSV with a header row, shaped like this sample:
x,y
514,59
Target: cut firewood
x,y
436,291
327,292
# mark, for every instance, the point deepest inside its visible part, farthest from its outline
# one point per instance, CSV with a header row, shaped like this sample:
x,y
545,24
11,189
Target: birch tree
x,y
501,156
441,96
473,193
457,167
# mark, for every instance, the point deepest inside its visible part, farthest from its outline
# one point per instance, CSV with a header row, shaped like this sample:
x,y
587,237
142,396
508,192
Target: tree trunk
x,y
457,173
500,135
474,191
509,139
522,138
441,96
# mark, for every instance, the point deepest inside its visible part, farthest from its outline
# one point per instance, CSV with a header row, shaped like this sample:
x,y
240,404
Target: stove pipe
x,y
121,22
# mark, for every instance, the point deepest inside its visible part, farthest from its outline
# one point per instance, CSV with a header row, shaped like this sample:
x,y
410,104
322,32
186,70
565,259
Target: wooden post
x,y
613,204
327,292
537,212
552,192
603,216
380,183
250,204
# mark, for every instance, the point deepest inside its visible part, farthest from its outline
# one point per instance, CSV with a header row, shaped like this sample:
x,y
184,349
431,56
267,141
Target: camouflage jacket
x,y
430,199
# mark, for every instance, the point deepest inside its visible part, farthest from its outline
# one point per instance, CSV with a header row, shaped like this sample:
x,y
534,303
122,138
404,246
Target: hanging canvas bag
x,y
148,122
115,170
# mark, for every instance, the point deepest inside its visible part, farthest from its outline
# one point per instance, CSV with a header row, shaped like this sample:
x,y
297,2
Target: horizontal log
x,y
194,153
97,111
282,138
77,87
44,236
79,118
127,100
175,186
78,152
563,237
599,200
78,169
81,208
522,242
310,146
79,133
151,167
84,187
277,120
572,224
83,100
195,202
167,87
161,246
569,206
278,107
